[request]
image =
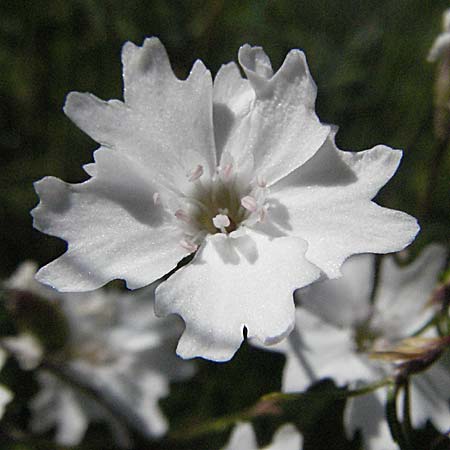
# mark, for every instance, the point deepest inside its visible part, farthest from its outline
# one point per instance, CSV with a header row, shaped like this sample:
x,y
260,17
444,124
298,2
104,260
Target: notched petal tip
x,y
150,57
199,71
53,197
254,60
230,69
189,347
41,277
256,65
275,339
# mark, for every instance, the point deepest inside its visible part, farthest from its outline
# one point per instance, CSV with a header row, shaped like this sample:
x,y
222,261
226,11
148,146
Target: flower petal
x,y
165,123
242,438
5,397
94,217
345,301
287,437
327,204
365,413
439,47
56,405
282,129
233,97
232,283
430,395
403,292
316,350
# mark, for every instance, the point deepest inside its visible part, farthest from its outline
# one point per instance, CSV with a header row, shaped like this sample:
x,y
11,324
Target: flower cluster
x,y
115,348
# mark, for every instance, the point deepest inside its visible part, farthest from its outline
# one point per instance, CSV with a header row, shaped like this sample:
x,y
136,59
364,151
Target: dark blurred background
x,y
367,57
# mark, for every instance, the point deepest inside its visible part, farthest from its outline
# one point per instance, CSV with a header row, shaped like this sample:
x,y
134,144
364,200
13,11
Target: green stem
x,y
273,401
401,433
407,427
395,426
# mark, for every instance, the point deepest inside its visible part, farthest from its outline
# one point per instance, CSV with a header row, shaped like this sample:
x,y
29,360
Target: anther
x,y
263,213
249,203
226,171
221,221
182,215
196,173
261,181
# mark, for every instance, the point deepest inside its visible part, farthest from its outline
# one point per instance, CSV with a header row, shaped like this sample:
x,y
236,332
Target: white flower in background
x,y
118,348
241,173
337,325
243,438
442,43
5,394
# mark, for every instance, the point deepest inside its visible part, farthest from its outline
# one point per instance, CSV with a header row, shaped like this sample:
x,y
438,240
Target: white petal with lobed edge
x,y
112,227
165,123
282,130
327,203
233,100
231,283
401,301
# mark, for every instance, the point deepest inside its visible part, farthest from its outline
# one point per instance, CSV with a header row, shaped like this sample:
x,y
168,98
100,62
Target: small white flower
x,y
117,347
243,438
442,43
337,326
240,171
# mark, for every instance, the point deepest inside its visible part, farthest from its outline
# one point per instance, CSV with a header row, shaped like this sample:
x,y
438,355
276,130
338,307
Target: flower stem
x,y
271,404
401,433
407,427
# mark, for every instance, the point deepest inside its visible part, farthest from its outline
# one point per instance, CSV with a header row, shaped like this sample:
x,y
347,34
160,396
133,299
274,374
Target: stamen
x,y
221,221
182,215
226,172
189,246
156,198
249,203
261,181
263,213
196,173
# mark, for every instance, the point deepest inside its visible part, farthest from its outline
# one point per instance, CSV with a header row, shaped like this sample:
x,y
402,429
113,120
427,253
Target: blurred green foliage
x,y
367,58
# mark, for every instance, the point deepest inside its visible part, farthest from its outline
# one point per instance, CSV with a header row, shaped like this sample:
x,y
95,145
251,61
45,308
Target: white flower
x,y
118,348
243,438
442,43
241,173
337,325
5,394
